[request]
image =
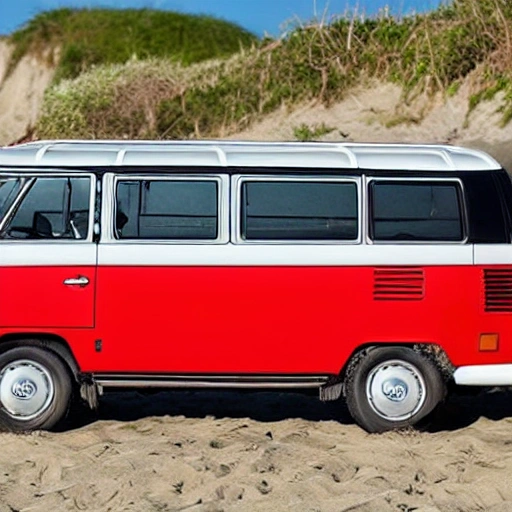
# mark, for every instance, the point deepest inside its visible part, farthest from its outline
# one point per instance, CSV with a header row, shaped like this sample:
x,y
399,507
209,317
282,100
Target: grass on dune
x,y
91,37
424,54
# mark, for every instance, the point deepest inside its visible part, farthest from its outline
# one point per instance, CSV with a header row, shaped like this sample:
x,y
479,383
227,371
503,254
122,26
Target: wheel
x,y
390,388
35,389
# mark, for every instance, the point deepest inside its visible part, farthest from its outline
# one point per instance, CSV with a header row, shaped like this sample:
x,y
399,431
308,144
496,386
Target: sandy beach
x,y
209,452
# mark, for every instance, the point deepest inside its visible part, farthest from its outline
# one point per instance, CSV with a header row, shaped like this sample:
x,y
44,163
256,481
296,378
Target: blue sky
x,y
259,16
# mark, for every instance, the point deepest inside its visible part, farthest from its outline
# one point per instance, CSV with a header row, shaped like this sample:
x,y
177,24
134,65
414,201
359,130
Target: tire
x,y
389,388
35,389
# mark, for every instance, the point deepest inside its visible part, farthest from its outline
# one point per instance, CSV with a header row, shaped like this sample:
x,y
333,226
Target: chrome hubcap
x,y
395,390
26,389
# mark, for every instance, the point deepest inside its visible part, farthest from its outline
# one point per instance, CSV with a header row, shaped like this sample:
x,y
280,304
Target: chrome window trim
x,y
57,173
109,202
237,181
16,203
451,180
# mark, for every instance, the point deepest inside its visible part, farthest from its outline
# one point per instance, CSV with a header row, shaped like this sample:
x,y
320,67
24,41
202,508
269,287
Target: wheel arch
x,y
431,350
51,342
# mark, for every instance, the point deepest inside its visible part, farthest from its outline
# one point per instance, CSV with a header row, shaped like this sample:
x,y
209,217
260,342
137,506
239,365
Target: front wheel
x,y
392,387
35,389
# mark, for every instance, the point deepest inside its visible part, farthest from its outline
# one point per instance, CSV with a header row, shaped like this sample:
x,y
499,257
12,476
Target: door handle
x,y
77,281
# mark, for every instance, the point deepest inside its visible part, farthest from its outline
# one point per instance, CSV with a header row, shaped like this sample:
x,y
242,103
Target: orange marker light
x,y
489,342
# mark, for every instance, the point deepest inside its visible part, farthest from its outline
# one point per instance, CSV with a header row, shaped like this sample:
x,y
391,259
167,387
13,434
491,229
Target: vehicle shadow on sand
x,y
257,405
463,410
458,411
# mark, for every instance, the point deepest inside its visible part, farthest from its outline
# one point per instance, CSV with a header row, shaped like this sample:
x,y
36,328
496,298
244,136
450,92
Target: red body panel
x,y
246,319
280,319
36,297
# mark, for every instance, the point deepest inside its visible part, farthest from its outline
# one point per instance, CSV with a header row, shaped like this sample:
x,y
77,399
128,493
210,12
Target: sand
x,y
209,452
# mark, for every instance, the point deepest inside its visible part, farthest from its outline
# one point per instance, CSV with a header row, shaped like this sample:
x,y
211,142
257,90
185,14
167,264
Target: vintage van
x,y
375,273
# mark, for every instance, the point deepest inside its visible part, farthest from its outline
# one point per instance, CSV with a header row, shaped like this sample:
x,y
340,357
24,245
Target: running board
x,y
210,381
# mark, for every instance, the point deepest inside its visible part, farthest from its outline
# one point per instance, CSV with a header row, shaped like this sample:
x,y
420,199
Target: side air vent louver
x,y
399,283
498,290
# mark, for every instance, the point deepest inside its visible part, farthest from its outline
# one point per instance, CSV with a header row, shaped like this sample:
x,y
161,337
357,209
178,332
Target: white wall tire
x,y
35,389
389,388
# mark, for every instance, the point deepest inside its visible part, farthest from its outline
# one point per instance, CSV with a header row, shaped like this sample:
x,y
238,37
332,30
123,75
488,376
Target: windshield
x,y
9,188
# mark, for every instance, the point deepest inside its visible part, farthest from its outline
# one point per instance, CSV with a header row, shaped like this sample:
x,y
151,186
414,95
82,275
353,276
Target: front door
x,y
47,253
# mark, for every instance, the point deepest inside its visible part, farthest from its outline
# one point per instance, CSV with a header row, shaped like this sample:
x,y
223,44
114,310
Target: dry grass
x,y
470,39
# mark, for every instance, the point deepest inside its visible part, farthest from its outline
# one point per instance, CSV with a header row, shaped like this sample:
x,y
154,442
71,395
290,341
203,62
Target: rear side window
x,y
167,209
52,208
299,210
416,211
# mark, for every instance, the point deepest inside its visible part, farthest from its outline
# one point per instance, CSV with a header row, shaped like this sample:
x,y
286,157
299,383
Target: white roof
x,y
58,154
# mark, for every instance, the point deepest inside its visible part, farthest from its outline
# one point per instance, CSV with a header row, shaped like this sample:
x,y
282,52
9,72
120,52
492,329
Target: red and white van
x,y
380,273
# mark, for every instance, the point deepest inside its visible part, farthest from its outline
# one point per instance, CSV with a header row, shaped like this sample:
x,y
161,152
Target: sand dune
x,y
377,112
21,93
211,452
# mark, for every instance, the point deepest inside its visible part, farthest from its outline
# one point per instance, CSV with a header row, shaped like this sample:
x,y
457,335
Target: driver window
x,y
53,208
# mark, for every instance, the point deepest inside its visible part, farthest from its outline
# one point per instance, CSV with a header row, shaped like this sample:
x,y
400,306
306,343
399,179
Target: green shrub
x,y
90,37
305,132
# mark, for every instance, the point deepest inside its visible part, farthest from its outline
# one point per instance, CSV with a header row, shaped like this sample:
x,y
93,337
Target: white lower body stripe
x,y
147,253
161,254
42,253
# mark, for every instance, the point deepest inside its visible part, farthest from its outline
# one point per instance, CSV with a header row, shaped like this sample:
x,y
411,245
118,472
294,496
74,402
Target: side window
x,y
167,209
299,210
416,211
53,208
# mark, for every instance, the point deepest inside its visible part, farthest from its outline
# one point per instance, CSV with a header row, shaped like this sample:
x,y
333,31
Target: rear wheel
x,y
35,389
392,387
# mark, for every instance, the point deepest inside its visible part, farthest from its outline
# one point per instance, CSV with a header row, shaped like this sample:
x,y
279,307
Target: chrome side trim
x,y
484,375
210,382
203,384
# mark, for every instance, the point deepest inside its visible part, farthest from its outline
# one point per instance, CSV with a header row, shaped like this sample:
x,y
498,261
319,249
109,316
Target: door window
x,y
52,208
